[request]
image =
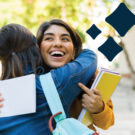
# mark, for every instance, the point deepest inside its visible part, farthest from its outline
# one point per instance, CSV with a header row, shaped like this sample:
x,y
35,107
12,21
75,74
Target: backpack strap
x,y
52,96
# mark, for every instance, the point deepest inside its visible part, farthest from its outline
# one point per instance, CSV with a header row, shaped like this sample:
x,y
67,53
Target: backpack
x,y
64,126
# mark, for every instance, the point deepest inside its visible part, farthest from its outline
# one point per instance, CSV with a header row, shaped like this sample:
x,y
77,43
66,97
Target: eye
x,y
48,38
65,39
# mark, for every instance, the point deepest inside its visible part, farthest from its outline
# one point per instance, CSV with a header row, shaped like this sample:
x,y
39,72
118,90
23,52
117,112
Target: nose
x,y
57,42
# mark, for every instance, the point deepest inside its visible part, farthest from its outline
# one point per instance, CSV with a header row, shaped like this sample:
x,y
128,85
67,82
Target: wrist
x,y
101,109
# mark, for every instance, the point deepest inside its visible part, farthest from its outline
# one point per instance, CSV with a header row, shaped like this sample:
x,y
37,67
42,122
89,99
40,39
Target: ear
x,y
73,55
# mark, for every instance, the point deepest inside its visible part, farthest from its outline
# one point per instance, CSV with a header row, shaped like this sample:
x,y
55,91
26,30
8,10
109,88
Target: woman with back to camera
x,y
20,56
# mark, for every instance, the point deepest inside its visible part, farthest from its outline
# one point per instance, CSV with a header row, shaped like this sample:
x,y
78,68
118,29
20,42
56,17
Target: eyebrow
x,y
65,35
53,34
48,34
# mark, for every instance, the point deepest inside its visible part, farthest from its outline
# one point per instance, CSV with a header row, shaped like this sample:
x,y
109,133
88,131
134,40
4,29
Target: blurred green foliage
x,y
31,13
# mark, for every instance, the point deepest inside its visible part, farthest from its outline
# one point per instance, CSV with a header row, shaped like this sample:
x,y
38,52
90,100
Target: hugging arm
x,y
67,77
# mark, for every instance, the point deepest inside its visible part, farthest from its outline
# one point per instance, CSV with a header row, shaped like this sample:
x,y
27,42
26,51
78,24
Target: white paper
x,y
19,96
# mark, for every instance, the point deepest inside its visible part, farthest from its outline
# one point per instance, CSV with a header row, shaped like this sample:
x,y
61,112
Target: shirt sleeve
x,y
104,119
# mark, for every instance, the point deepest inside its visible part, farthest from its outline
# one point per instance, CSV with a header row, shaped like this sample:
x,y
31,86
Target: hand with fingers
x,y
1,100
91,100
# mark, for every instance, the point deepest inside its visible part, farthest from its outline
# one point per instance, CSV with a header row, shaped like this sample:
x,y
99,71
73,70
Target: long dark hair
x,y
18,51
76,39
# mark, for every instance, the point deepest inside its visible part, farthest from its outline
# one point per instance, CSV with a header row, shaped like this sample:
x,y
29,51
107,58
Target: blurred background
x,y
81,14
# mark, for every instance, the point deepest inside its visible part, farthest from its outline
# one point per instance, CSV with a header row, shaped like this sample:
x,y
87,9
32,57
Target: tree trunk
x,y
132,75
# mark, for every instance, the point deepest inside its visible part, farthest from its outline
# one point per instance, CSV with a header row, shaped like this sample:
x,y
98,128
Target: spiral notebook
x,y
106,81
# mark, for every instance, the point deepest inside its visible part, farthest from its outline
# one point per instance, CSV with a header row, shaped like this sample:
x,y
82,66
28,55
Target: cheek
x,y
72,51
42,50
43,47
70,48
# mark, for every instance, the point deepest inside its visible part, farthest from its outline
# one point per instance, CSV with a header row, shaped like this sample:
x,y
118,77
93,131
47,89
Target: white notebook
x,y
19,95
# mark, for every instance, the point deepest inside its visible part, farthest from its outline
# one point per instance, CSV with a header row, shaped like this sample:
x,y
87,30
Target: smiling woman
x,y
59,43
57,47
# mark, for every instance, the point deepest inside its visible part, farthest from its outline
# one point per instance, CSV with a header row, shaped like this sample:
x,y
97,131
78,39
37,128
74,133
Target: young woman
x,y
57,39
20,56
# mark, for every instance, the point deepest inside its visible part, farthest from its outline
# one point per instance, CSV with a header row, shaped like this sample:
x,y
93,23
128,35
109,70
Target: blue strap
x,y
52,96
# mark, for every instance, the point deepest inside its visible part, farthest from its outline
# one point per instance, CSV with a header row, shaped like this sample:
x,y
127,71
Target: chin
x,y
56,65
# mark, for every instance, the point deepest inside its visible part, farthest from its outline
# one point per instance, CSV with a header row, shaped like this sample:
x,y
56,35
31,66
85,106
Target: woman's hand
x,y
92,100
1,100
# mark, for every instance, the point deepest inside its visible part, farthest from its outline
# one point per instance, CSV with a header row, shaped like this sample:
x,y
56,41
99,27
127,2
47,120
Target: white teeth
x,y
57,52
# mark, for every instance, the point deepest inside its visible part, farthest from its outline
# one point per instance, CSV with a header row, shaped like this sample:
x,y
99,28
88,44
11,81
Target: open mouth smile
x,y
57,54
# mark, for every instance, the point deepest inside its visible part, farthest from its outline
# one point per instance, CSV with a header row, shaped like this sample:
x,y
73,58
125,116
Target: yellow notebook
x,y
106,82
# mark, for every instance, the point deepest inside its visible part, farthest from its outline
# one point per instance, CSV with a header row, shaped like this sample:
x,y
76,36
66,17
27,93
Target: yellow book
x,y
106,82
